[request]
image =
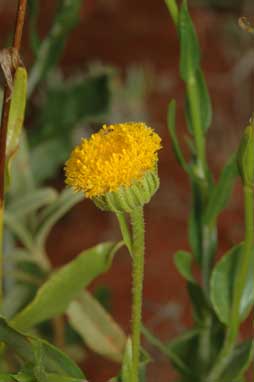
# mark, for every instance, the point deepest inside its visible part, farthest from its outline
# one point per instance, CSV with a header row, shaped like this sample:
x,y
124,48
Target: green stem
x,y
209,239
193,97
239,286
124,230
138,249
173,9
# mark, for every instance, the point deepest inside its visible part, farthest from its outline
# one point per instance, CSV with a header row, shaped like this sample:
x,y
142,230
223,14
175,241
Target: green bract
x,y
127,199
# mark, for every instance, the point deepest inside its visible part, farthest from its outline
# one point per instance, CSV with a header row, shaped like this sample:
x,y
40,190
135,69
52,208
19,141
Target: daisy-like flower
x,y
117,169
114,160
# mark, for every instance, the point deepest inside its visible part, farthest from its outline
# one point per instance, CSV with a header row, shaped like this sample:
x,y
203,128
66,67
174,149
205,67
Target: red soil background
x,y
123,33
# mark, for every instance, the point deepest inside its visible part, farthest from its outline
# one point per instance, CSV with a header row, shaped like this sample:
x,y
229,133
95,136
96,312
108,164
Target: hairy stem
x,y
138,248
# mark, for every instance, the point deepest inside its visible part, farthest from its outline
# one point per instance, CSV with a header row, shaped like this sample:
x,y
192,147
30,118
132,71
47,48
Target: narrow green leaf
x,y
222,285
221,192
17,112
165,349
205,106
51,48
33,8
172,132
183,262
173,9
55,295
185,347
189,46
96,327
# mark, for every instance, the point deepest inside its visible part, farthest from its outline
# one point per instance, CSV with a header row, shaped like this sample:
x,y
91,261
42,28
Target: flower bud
x,y
245,156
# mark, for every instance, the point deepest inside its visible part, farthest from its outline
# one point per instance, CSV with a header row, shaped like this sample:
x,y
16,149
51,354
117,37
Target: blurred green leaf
x,y
238,363
15,300
33,8
172,132
97,328
22,177
183,262
54,212
30,202
19,230
24,377
54,360
189,46
54,297
52,153
223,279
52,46
221,192
16,119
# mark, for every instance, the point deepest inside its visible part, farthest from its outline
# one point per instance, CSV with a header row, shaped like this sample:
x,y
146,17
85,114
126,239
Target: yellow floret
x,y
115,156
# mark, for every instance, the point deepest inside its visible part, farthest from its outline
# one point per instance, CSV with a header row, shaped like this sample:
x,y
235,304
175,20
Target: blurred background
x,y
128,53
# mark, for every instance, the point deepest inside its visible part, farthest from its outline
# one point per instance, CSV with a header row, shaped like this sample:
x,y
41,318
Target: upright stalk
x,y
240,281
198,133
138,249
20,17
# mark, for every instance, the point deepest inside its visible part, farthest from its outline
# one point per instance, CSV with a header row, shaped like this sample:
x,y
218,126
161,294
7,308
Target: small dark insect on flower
x,y
246,25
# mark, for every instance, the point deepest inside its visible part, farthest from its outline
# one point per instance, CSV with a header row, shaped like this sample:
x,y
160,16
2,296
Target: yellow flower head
x,y
116,156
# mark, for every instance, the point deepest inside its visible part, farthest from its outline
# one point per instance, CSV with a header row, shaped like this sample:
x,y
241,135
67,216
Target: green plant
x,y
210,351
40,305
